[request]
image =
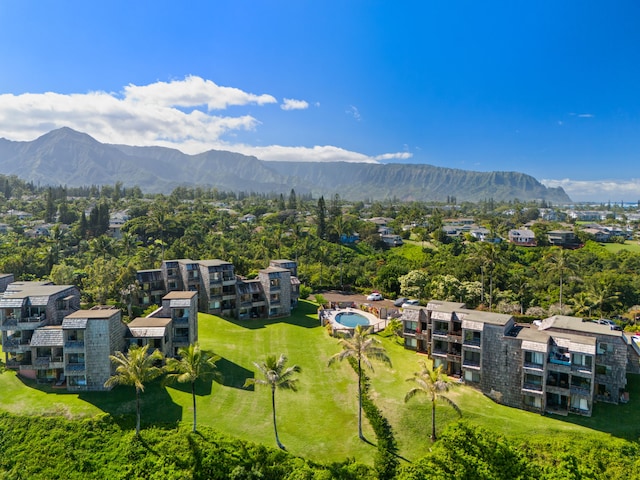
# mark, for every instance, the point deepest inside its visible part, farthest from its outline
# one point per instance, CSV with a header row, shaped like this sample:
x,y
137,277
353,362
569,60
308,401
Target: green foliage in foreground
x,y
53,447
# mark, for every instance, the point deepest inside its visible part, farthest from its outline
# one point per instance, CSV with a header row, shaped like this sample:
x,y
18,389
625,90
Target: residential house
x,y
563,238
522,237
392,240
562,366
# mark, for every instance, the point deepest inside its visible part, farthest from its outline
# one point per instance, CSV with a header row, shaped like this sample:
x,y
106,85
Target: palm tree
x,y
560,263
363,348
432,383
192,363
277,376
487,255
135,369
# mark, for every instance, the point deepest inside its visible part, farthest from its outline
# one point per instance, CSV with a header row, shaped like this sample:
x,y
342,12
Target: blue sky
x,y
547,88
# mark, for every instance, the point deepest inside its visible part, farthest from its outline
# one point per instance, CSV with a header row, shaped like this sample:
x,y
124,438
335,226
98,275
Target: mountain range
x,y
67,157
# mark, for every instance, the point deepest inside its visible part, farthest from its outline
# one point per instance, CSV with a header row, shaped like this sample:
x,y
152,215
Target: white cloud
x,y
324,153
394,156
598,190
354,112
291,104
192,92
174,114
586,115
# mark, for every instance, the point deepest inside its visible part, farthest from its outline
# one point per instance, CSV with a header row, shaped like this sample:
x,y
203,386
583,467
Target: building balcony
x,y
76,345
181,320
74,368
471,342
23,323
454,338
439,353
452,357
533,366
443,334
535,387
583,369
42,363
16,345
181,339
580,390
471,363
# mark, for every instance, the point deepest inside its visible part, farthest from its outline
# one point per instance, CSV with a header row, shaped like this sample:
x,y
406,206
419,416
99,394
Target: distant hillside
x,y
67,157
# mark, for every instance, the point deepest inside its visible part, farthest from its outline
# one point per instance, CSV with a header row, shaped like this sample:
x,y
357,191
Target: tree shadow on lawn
x,y
304,315
606,417
156,405
232,374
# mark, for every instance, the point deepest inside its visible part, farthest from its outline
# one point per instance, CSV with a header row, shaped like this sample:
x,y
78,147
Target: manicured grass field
x,y
631,245
320,420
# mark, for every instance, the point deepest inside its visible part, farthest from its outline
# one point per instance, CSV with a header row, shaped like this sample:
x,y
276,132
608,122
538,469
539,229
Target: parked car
x,y
399,301
413,301
374,296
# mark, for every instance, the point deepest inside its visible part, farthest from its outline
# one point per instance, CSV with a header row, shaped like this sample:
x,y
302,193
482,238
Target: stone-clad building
x,y
562,366
47,337
221,291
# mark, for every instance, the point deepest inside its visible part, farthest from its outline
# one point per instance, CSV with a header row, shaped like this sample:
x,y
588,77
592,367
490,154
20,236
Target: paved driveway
x,y
358,299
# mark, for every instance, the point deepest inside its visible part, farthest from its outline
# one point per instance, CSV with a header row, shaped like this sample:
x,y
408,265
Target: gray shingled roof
x,y
47,337
73,323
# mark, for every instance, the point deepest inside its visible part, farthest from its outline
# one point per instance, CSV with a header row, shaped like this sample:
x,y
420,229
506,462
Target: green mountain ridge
x,y
67,157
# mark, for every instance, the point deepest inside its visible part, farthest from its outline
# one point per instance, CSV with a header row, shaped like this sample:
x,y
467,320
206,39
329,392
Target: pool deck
x,y
329,316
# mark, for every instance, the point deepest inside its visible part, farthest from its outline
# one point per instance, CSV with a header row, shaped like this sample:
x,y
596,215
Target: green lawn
x,y
320,420
631,245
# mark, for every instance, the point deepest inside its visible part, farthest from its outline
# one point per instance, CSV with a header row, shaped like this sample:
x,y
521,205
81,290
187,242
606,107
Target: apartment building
x,y
561,366
46,337
170,327
221,291
26,307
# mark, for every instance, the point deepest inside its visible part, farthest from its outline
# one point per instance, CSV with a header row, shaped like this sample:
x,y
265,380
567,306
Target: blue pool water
x,y
351,319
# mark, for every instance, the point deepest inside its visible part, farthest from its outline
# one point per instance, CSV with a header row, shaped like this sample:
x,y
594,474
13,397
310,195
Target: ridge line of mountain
x,y
67,157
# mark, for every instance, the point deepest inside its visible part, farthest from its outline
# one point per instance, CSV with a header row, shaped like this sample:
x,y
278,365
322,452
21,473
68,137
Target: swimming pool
x,y
351,319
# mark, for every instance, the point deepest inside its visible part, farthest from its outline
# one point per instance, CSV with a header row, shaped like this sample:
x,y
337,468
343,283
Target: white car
x,y
375,296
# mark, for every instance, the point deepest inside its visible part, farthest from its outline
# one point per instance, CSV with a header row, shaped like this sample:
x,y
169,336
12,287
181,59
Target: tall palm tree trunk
x,y
193,396
273,409
433,420
360,401
137,411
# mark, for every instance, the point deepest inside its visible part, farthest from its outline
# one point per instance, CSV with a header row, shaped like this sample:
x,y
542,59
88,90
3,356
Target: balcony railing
x,y
75,367
473,342
74,344
184,319
532,386
537,366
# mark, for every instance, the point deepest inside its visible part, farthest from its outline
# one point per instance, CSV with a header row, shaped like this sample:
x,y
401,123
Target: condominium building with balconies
x,y
563,365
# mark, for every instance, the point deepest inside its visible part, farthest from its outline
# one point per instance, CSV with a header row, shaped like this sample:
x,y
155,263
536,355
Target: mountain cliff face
x,y
67,157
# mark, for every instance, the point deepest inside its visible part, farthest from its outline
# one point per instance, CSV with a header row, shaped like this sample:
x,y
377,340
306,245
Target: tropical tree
x,y
277,376
362,348
559,263
191,364
432,383
135,369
